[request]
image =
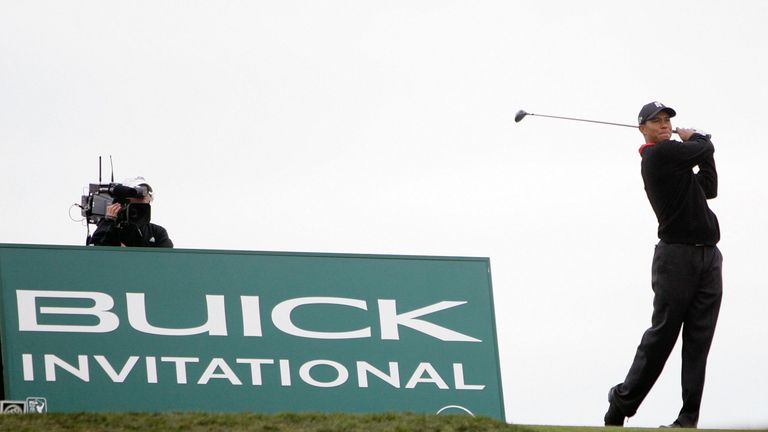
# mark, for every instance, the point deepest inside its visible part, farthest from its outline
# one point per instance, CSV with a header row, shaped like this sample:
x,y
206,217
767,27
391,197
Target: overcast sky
x,y
387,127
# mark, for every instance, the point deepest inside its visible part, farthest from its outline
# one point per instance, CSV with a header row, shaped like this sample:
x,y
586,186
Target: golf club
x,y
521,114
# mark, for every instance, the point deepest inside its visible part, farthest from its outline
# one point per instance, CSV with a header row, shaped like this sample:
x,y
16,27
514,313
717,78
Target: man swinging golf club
x,y
686,269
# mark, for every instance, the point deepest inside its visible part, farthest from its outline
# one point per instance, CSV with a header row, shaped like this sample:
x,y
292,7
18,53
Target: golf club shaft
x,y
584,120
589,121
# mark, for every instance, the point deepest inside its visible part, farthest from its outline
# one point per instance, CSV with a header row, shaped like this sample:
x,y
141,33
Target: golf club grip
x,y
709,136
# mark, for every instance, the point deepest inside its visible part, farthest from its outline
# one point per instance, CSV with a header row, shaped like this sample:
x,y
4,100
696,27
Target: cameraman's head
x,y
139,183
131,209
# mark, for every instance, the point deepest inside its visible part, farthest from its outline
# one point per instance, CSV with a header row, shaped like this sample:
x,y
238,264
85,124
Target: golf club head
x,y
519,116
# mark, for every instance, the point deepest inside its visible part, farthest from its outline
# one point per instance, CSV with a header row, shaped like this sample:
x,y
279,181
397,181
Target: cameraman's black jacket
x,y
109,234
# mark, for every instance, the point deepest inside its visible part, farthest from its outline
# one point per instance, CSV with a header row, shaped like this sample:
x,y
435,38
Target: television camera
x,y
100,196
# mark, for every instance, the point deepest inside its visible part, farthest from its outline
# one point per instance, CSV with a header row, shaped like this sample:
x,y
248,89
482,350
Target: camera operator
x,y
109,232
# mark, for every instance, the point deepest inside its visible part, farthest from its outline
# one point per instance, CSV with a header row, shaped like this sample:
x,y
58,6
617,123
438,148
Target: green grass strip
x,y
282,422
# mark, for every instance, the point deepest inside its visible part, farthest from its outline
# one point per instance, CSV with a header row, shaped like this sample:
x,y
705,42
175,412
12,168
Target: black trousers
x,y
688,287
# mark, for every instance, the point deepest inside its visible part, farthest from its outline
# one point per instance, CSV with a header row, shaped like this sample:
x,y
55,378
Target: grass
x,y
284,422
619,429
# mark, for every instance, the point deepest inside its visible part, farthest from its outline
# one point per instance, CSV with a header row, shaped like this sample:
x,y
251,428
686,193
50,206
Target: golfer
x,y
686,269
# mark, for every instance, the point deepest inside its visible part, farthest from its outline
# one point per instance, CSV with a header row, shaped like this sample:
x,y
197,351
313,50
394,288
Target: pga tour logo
x,y
36,405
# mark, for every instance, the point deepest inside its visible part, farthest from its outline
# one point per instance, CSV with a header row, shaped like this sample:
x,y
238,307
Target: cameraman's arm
x,y
106,233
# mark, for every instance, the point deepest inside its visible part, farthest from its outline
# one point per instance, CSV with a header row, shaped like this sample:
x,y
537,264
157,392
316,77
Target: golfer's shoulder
x,y
660,153
666,148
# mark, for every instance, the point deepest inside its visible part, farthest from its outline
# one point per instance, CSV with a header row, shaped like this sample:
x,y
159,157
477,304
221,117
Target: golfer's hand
x,y
685,134
112,210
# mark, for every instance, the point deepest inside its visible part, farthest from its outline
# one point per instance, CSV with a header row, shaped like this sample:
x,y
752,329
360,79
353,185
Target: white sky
x,y
387,127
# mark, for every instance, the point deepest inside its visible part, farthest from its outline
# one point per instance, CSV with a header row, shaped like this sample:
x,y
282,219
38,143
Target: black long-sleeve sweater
x,y
677,194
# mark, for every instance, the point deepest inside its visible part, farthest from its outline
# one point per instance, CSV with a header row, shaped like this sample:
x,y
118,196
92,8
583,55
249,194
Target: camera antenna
x,y
112,167
99,169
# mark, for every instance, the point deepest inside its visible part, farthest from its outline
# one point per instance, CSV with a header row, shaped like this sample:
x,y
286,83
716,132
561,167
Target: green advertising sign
x,y
136,329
